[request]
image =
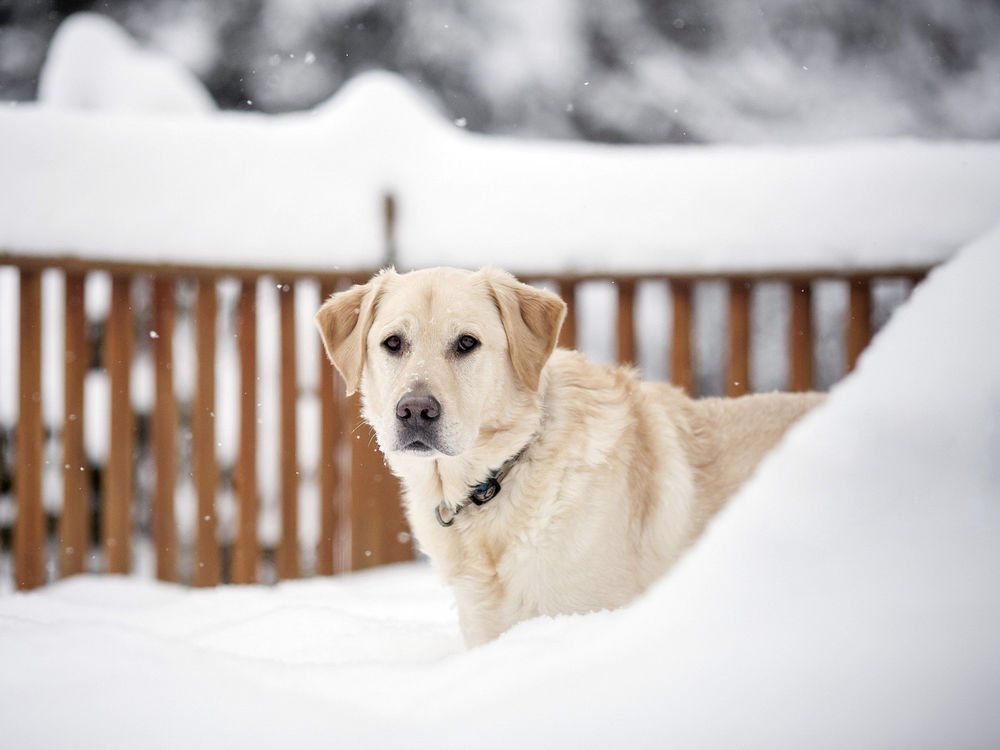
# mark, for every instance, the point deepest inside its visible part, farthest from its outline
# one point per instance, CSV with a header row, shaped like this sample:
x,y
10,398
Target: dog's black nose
x,y
422,406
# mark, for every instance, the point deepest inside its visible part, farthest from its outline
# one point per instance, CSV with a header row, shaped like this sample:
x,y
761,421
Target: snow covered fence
x,y
191,359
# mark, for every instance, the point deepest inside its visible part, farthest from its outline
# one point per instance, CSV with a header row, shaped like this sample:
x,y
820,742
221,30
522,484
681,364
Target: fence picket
x,y
29,527
328,474
246,550
681,359
288,545
567,336
800,347
116,518
626,321
375,512
738,375
73,521
164,437
859,319
207,562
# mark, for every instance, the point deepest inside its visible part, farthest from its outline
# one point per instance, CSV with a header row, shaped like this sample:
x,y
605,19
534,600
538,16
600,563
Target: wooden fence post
x,y
164,437
859,322
328,470
377,519
116,519
681,359
246,550
738,376
73,521
29,527
626,321
207,567
567,335
288,545
800,345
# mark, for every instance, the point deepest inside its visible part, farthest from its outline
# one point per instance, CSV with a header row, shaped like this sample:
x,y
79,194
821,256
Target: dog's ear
x,y
532,319
344,321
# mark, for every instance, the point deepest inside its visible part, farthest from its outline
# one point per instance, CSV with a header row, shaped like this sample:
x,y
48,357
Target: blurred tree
x,y
628,71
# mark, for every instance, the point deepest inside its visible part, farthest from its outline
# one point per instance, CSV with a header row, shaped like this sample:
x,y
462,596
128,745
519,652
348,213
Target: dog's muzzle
x,y
417,416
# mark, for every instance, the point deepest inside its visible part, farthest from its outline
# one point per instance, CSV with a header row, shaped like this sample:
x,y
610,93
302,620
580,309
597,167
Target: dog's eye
x,y
466,344
393,344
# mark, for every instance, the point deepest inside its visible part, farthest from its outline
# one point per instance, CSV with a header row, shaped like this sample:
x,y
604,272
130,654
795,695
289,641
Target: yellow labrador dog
x,y
537,482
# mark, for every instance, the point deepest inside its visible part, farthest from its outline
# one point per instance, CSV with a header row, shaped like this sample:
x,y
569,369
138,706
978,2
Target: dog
x,y
537,483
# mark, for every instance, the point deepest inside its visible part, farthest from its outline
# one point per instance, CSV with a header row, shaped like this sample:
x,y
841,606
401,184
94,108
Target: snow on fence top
x,y
305,190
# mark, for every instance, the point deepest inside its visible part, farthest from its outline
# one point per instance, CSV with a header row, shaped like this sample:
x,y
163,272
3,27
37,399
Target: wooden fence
x,y
360,521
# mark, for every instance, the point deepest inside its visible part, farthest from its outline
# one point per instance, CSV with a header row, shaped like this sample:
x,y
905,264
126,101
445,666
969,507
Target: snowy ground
x,y
846,598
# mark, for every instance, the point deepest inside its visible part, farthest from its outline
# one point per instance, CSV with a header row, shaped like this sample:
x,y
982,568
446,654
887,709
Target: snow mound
x,y
93,64
846,598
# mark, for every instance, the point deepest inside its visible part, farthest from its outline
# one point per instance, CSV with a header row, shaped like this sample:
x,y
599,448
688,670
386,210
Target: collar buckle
x,y
483,493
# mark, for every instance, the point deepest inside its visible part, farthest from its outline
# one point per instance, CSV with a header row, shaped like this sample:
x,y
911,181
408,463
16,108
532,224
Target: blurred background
x,y
629,71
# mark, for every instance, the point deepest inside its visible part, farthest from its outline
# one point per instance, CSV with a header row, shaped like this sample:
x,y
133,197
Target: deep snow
x,y
847,597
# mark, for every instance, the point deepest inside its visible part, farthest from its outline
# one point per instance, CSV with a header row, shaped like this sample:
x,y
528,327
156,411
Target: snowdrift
x,y
846,598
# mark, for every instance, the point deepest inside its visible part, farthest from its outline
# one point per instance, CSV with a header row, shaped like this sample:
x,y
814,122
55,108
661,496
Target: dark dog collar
x,y
479,494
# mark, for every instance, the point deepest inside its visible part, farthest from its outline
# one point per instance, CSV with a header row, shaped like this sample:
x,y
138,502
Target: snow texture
x,y
847,597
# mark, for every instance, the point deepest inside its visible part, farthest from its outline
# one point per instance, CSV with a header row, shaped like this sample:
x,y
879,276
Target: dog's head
x,y
441,356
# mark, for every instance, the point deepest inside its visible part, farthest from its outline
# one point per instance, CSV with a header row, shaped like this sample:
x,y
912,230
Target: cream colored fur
x,y
619,476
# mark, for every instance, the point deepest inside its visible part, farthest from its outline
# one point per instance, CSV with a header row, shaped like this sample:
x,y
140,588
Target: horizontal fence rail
x,y
208,340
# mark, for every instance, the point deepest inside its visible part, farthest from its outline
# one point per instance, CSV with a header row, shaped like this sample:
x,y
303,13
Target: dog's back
x,y
730,436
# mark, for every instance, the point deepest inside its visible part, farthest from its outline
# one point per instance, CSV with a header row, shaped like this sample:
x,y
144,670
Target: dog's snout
x,y
420,407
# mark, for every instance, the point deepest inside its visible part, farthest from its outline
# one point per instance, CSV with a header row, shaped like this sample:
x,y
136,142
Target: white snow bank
x,y
846,598
305,190
93,64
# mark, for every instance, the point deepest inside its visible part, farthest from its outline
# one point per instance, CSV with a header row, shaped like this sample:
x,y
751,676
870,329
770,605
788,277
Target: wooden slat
x,y
73,541
681,359
395,543
246,550
801,337
164,428
288,545
859,322
342,494
567,335
377,518
207,567
330,429
29,527
626,322
738,376
363,508
116,516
